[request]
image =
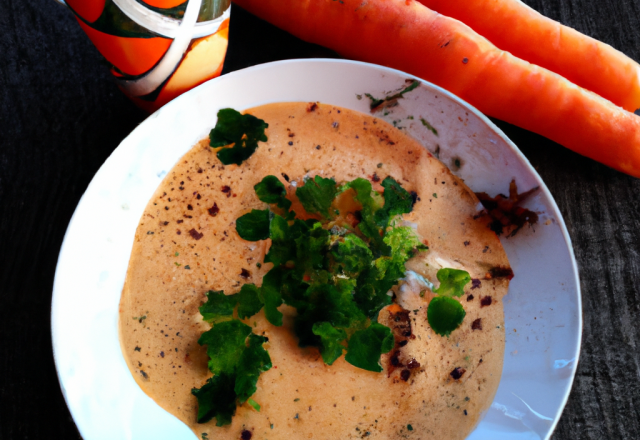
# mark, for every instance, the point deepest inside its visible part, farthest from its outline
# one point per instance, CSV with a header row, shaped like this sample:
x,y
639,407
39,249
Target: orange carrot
x,y
515,27
406,35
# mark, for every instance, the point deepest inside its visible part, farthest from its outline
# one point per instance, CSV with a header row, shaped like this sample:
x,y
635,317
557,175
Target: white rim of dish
x,y
55,308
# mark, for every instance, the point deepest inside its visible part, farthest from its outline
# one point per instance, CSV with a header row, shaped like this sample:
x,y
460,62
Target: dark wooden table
x,y
61,116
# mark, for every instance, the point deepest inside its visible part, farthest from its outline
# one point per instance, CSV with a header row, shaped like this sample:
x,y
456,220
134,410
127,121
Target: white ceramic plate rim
x,y
61,314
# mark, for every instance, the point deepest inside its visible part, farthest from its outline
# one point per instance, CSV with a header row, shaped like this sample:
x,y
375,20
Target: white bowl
x,y
542,310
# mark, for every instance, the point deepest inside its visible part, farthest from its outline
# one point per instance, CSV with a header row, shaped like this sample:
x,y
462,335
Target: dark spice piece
x,y
475,283
290,143
485,301
195,234
414,197
413,364
470,298
395,361
457,373
405,374
214,210
246,435
467,243
312,107
190,208
166,223
375,178
477,324
286,177
505,210
226,189
400,324
245,274
500,272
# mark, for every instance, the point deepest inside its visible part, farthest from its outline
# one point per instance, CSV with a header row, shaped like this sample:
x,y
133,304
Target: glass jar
x,y
157,49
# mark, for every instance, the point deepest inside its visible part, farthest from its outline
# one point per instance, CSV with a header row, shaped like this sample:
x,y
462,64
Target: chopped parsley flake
x,y
429,126
254,404
377,104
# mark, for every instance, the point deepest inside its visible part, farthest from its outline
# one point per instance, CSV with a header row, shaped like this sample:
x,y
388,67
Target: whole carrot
x,y
406,35
515,27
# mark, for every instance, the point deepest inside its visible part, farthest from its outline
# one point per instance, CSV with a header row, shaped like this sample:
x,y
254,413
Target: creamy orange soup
x,y
186,244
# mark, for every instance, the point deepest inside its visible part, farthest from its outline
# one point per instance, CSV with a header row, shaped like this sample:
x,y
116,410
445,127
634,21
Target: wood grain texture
x,y
61,115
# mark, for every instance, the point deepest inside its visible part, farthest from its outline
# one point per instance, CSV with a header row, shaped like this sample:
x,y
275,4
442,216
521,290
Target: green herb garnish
x,y
452,282
317,194
376,104
335,273
271,190
236,358
429,126
238,133
366,346
254,225
254,404
445,314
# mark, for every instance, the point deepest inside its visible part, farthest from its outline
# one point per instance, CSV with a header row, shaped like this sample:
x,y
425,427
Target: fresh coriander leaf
x,y
292,287
368,226
317,194
331,341
403,241
452,281
216,398
253,361
352,254
254,404
445,314
311,249
248,301
270,295
225,345
328,302
371,292
219,307
366,347
254,225
283,246
271,190
241,131
397,201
